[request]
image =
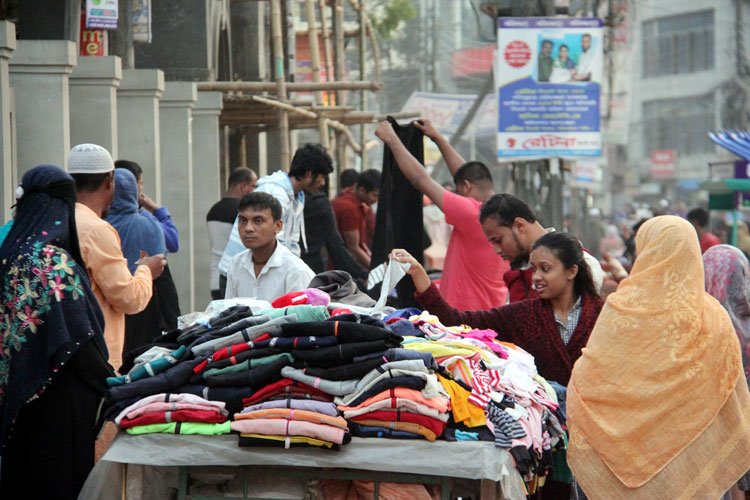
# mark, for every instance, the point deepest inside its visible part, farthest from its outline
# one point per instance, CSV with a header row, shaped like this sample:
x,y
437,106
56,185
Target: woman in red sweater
x,y
554,327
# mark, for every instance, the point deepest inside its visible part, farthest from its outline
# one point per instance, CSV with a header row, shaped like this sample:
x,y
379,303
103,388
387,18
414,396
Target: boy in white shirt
x,y
267,269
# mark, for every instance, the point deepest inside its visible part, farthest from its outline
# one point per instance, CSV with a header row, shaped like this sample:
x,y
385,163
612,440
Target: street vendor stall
x,y
324,389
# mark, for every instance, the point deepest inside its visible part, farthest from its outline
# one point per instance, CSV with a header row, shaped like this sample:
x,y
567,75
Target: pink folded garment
x,y
171,398
161,407
283,427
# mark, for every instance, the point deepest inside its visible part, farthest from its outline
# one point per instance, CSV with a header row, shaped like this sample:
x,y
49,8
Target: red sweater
x,y
530,324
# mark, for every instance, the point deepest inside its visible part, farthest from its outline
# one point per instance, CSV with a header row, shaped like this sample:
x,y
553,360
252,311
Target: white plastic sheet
x,y
161,452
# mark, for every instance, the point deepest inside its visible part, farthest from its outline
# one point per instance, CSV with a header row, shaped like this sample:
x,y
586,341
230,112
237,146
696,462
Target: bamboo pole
x,y
338,26
312,36
345,132
362,63
278,58
326,41
286,107
289,86
373,41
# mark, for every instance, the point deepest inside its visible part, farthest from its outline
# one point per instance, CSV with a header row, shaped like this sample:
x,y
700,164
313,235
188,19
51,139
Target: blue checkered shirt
x,y
569,326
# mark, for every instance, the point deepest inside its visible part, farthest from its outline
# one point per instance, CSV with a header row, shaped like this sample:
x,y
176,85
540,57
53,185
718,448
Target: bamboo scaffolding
x,y
289,86
286,107
346,133
278,57
312,36
326,41
362,67
373,41
338,17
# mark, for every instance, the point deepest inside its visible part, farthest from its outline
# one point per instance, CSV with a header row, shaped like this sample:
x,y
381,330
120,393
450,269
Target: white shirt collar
x,y
276,260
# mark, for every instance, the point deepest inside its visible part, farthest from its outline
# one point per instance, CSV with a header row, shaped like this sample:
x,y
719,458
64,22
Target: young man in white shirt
x,y
267,269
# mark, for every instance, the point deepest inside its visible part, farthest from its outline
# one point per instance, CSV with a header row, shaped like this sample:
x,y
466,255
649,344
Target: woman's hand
x,y
416,271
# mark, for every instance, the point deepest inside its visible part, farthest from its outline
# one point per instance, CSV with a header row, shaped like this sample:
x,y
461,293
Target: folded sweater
x,y
439,403
182,428
281,427
206,416
171,398
292,414
326,408
272,327
434,425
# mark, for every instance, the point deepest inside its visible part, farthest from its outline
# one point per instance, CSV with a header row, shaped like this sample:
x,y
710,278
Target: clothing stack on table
x,y
292,376
289,414
202,359
174,414
496,393
298,410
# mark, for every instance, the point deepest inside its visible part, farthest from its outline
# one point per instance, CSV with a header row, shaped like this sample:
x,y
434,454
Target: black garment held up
x,y
399,221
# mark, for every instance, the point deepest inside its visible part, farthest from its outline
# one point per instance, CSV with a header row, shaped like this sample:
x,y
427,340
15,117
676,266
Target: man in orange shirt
x,y
117,291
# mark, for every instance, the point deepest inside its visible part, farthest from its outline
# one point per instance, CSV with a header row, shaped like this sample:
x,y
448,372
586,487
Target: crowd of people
x,y
646,321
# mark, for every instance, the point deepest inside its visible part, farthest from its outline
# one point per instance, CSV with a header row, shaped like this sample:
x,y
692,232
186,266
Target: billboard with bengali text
x,y
548,74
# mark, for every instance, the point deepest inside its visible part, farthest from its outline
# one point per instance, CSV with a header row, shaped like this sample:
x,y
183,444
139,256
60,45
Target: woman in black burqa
x,y
52,353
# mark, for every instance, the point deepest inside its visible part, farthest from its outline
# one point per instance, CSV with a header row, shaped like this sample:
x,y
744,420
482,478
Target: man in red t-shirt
x,y
698,217
351,208
473,273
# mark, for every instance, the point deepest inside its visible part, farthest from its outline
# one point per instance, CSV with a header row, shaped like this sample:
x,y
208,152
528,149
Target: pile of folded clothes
x,y
174,414
495,391
290,414
295,376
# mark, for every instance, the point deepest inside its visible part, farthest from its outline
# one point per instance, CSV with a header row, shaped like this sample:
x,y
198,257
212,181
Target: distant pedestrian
x,y
142,234
151,209
320,227
347,179
220,217
699,218
351,208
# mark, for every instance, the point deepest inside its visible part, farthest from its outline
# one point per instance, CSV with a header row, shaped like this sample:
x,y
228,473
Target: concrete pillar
x,y
175,117
206,186
39,74
7,180
138,129
93,102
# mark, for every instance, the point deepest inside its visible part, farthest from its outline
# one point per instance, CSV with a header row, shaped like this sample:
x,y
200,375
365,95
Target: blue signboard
x,y
549,73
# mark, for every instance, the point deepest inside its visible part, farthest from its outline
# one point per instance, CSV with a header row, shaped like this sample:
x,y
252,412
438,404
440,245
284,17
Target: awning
x,y
735,141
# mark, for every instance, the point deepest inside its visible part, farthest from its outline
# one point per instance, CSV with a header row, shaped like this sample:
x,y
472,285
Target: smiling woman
x,y
554,327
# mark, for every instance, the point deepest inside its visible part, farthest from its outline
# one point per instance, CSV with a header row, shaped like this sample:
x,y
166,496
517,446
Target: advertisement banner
x,y
447,111
587,174
549,74
141,21
663,164
91,42
101,14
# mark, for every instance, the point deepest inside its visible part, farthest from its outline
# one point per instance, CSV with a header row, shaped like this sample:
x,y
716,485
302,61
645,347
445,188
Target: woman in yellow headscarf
x,y
657,404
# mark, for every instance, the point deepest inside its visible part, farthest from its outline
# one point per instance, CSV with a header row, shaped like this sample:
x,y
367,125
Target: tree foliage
x,y
389,18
